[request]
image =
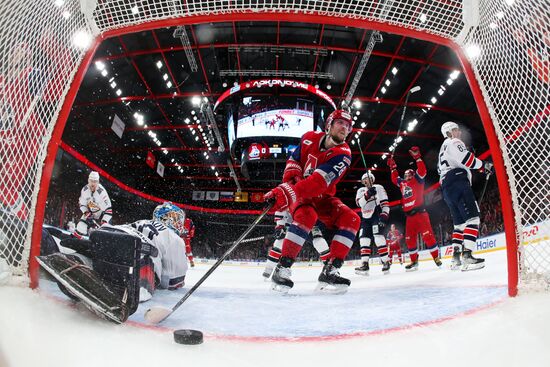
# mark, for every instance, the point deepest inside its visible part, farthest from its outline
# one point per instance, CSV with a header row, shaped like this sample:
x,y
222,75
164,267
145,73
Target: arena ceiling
x,y
148,73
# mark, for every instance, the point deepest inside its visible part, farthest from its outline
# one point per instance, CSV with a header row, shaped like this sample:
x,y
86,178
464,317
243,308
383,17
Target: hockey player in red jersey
x,y
394,243
188,234
317,165
418,221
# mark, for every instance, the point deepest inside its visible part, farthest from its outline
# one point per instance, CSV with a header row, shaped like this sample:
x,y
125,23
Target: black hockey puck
x,y
187,336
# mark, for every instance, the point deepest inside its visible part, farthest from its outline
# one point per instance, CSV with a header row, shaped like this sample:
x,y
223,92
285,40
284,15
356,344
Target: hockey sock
x,y
414,255
341,243
294,240
470,236
365,250
457,238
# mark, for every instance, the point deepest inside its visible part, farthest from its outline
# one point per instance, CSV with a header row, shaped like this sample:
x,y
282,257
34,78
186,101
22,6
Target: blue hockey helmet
x,y
171,216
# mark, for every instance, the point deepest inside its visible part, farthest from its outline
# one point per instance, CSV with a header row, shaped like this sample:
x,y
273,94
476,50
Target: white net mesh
x,y
38,59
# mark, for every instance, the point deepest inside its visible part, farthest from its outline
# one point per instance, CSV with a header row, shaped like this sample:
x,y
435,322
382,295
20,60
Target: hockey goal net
x,y
504,45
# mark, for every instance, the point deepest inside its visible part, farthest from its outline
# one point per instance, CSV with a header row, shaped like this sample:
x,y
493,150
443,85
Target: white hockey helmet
x,y
94,176
448,127
366,176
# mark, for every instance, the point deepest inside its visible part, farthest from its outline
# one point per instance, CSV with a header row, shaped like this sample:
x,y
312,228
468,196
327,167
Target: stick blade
x,y
154,315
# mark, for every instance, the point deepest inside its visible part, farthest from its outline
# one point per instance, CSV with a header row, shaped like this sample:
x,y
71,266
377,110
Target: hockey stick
x,y
487,177
227,243
411,91
364,162
154,315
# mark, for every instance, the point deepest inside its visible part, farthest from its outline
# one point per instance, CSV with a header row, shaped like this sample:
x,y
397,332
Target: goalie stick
x,y
154,315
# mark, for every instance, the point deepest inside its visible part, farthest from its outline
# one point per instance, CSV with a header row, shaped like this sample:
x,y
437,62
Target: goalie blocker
x,y
110,287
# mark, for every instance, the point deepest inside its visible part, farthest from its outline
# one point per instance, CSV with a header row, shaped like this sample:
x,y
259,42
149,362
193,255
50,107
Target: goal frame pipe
x,y
494,144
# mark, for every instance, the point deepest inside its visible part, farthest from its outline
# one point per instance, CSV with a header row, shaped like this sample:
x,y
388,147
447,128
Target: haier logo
x,y
486,244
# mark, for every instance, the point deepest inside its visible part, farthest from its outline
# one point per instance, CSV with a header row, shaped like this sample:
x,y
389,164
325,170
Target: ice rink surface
x,y
431,317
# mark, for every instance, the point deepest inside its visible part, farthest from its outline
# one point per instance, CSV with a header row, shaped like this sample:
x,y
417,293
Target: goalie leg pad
x,y
86,285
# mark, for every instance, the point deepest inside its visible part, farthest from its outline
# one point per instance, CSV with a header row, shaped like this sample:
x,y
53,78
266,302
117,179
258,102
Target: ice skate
x,y
281,281
363,269
437,261
330,280
413,266
270,266
386,267
469,262
455,262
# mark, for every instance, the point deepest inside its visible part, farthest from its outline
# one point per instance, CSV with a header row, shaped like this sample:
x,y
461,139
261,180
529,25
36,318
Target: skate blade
x,y
411,270
280,288
325,288
364,273
473,267
386,272
455,267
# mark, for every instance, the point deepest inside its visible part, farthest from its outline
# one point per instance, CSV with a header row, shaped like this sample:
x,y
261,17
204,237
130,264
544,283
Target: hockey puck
x,y
187,336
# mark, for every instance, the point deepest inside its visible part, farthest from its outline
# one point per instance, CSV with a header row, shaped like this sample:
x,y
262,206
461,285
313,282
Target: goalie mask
x,y
171,216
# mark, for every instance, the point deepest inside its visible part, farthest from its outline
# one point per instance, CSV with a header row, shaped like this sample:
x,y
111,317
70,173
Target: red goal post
x,y
503,46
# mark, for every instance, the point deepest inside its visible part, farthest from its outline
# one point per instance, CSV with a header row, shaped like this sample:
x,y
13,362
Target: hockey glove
x,y
293,172
370,193
415,153
391,163
488,167
283,196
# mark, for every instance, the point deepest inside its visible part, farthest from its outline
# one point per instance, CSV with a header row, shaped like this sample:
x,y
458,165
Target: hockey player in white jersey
x,y
454,165
95,205
283,220
375,212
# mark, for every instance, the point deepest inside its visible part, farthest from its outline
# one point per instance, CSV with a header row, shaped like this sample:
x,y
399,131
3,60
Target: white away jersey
x,y
171,262
454,154
95,202
368,207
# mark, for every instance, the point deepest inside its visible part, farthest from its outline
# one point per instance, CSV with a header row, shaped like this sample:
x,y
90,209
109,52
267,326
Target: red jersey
x,y
412,191
394,237
312,160
189,229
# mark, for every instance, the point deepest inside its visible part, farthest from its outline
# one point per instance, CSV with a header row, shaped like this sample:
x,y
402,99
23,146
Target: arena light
x,y
196,101
399,139
440,91
357,113
433,100
363,125
387,82
172,160
187,121
104,72
357,104
383,91
99,65
454,74
197,138
164,151
329,87
450,81
394,70
169,84
165,76
213,168
82,39
159,64
113,84
193,131
193,112
118,92
224,84
384,156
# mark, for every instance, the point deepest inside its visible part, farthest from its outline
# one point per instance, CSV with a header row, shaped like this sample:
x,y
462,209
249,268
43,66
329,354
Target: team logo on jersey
x,y
310,166
406,191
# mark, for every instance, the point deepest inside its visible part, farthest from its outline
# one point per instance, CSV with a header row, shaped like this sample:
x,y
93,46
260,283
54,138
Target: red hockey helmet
x,y
338,115
409,174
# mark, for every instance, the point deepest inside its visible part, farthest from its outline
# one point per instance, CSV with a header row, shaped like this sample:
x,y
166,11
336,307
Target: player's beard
x,y
336,139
